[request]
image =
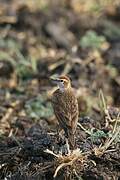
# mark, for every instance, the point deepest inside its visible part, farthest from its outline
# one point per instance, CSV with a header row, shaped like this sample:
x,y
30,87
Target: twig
x,y
88,132
14,138
103,105
55,65
51,152
61,166
117,120
66,69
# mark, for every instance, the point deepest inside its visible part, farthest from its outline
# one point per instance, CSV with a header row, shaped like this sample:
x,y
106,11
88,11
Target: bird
x,y
65,106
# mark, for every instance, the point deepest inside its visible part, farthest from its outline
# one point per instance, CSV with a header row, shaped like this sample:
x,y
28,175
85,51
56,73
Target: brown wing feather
x,y
66,109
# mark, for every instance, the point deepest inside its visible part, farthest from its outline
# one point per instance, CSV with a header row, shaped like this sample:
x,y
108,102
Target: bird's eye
x,y
61,80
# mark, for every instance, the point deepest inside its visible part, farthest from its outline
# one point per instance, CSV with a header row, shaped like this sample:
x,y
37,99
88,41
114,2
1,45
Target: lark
x,y
65,107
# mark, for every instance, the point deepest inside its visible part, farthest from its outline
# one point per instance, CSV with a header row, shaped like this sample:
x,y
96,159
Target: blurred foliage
x,y
111,30
112,71
38,108
117,139
92,40
24,66
95,7
38,4
9,44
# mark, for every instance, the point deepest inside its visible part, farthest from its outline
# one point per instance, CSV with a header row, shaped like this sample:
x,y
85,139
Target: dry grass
x,y
70,160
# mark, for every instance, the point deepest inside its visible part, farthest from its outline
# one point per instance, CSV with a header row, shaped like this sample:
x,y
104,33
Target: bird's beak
x,y
54,80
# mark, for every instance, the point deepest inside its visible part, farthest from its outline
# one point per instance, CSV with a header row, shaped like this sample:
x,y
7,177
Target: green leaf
x,y
95,136
39,108
92,40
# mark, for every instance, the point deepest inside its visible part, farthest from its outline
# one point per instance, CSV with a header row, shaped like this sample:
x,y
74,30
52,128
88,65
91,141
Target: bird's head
x,y
63,82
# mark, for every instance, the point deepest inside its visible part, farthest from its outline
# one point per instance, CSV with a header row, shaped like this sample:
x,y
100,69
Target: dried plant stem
x,y
69,159
108,143
88,132
52,153
61,166
101,150
117,120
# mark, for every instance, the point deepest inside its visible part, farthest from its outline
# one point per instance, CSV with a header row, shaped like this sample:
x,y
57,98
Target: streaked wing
x,y
66,109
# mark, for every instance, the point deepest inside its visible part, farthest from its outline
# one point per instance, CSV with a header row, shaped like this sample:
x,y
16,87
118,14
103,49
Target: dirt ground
x,y
40,39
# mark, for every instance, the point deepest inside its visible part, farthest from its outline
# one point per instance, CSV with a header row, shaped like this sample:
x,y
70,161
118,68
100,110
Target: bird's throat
x,y
62,89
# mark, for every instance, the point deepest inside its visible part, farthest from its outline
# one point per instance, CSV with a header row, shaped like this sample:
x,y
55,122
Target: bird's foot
x,y
68,147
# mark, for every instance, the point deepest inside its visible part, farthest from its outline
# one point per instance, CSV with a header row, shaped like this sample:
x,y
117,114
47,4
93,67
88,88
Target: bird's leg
x,y
67,145
60,135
